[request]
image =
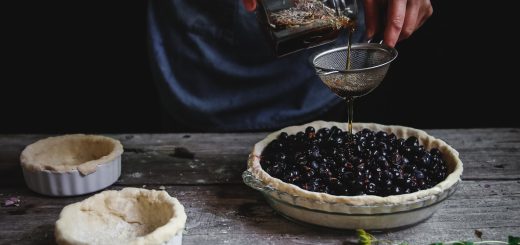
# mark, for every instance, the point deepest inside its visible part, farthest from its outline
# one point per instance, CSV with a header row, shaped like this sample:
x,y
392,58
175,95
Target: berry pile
x,y
334,162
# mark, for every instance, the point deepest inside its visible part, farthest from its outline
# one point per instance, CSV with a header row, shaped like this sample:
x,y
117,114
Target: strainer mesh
x,y
369,64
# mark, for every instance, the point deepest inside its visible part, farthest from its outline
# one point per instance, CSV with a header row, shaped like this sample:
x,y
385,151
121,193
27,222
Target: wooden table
x,y
221,209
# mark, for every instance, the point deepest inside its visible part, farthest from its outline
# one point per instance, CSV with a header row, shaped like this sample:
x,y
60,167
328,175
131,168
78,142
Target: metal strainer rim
x,y
385,48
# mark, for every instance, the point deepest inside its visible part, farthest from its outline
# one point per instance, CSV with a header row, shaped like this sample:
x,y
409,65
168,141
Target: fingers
x,y
249,5
371,18
426,12
395,21
411,20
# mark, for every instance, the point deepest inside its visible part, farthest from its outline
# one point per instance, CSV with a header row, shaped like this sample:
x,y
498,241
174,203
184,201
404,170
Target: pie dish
x,y
71,164
131,216
353,212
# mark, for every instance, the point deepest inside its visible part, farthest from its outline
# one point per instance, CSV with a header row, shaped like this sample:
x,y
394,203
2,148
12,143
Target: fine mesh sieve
x,y
369,63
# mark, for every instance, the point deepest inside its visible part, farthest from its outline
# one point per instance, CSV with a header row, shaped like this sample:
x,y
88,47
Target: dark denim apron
x,y
215,70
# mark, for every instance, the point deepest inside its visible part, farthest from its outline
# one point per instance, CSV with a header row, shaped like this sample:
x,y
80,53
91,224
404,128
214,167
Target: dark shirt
x,y
215,70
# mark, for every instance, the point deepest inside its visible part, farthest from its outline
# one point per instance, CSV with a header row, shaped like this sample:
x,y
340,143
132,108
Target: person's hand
x,y
250,5
403,18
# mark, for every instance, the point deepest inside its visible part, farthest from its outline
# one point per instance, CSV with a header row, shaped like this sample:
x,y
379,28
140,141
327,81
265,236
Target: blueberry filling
x,y
366,163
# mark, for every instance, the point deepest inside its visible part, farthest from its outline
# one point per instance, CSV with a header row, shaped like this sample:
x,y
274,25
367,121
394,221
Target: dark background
x,y
73,66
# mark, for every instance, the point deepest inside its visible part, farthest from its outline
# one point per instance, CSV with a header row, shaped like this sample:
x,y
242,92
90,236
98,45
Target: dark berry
x,y
435,152
300,136
334,162
412,142
396,190
309,131
335,130
283,136
405,161
339,140
391,138
381,135
314,165
419,174
371,189
309,174
324,171
426,159
281,157
349,166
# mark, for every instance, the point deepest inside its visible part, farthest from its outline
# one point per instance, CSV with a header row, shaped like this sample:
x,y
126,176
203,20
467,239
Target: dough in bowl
x,y
70,152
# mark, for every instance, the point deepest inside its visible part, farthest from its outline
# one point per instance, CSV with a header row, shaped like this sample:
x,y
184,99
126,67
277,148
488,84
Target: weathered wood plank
x,y
235,214
486,153
152,159
220,158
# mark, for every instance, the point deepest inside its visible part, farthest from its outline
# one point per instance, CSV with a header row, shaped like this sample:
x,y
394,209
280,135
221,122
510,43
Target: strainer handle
x,y
370,41
376,37
325,73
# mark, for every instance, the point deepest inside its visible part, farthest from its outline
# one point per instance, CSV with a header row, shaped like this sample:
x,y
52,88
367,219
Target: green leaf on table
x,y
364,237
512,240
437,243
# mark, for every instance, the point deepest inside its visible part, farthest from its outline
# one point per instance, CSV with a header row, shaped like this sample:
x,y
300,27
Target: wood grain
x,y
220,158
203,171
235,214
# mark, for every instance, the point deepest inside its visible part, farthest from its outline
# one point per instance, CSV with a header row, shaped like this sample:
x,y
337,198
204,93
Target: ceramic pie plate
x,y
71,165
130,216
355,212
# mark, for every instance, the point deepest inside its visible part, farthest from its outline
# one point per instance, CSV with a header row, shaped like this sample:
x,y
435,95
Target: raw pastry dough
x,y
131,216
70,152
